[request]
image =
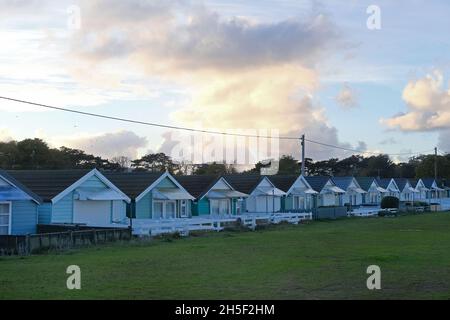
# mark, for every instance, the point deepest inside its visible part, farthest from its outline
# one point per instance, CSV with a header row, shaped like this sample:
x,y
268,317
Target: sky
x,y
336,71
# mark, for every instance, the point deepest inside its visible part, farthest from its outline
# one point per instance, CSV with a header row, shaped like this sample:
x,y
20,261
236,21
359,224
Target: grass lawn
x,y
320,260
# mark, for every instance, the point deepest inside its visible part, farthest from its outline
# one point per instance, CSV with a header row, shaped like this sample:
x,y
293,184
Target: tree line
x,y
36,154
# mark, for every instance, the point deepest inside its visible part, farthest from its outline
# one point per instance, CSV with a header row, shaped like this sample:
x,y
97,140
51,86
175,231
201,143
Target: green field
x,y
318,260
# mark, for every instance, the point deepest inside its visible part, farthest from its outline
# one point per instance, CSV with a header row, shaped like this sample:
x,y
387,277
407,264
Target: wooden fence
x,y
330,212
35,243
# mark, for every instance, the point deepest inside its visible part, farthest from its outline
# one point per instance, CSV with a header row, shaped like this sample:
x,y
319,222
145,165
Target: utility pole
x,y
303,155
435,164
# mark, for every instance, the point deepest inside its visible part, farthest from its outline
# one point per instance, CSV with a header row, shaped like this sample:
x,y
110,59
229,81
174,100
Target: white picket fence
x,y
150,227
445,203
250,220
373,211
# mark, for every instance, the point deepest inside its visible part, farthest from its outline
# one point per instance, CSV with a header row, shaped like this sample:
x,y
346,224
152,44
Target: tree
x,y
257,169
122,162
323,168
288,165
380,165
33,154
9,155
36,154
78,159
155,162
350,166
74,158
308,163
184,168
405,170
214,168
425,166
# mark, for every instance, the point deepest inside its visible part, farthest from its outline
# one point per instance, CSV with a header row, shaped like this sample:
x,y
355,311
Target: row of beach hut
x,y
105,199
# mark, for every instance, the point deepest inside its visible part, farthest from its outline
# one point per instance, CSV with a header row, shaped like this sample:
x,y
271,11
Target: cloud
x,y
407,155
347,98
241,73
108,145
325,134
271,98
46,94
444,141
41,72
388,141
262,99
170,37
11,7
5,135
428,103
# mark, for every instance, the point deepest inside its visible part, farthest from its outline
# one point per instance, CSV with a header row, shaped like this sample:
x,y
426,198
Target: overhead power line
x,y
367,152
153,124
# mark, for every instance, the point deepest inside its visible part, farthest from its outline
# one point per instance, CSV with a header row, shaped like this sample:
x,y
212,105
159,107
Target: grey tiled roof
x,y
245,183
317,182
343,182
20,185
365,182
197,185
384,182
48,183
401,183
283,182
414,182
133,183
428,182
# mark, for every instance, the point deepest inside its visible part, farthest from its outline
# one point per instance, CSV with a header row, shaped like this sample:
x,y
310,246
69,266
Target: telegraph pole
x,y
303,155
435,164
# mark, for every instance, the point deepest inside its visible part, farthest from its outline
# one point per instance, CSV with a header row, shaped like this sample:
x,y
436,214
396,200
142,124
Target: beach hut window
x,y
239,204
299,202
308,202
170,209
5,218
224,206
183,209
158,210
221,206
